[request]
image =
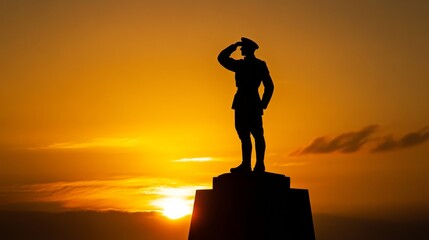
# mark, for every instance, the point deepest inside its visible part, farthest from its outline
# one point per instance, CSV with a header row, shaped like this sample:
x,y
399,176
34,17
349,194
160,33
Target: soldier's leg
x,y
246,147
258,133
243,130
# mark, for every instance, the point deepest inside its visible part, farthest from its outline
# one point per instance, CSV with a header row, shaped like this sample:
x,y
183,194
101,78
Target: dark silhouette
x,y
251,207
248,106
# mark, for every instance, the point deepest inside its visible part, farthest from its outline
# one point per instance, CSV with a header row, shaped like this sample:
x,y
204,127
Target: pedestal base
x,y
253,206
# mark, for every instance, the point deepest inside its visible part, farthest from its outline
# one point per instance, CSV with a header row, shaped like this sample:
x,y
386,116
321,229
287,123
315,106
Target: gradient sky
x,y
111,104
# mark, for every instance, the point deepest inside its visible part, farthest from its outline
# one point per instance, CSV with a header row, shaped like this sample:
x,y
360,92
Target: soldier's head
x,y
248,47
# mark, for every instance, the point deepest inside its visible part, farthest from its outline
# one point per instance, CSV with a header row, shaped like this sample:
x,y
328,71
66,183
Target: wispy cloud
x,y
196,159
94,143
351,142
128,194
291,164
345,143
411,139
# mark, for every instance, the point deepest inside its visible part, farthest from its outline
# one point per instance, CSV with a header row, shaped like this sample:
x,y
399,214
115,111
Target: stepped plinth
x,y
252,206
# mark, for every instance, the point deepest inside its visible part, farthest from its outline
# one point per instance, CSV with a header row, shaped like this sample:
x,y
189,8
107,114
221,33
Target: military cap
x,y
249,43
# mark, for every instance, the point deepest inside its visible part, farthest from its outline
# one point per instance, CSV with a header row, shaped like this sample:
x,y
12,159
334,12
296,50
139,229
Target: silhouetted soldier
x,y
248,106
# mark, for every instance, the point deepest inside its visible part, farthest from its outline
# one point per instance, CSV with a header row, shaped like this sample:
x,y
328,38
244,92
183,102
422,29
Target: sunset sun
x,y
175,208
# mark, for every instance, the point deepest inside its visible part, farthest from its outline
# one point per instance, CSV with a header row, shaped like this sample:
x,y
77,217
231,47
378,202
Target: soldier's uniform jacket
x,y
249,73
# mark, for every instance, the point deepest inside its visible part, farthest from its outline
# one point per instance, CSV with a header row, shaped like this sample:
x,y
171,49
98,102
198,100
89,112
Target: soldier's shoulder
x,y
262,66
262,62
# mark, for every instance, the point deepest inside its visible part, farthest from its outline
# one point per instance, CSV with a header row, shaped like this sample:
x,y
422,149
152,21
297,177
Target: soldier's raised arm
x,y
225,58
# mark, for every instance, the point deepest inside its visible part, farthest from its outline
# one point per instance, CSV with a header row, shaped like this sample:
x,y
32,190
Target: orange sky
x,y
112,98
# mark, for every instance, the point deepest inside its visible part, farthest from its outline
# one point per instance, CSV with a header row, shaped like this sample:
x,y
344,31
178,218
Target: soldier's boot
x,y
259,167
260,154
244,167
246,151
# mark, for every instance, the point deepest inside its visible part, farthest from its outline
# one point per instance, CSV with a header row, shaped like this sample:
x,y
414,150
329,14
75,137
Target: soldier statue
x,y
248,105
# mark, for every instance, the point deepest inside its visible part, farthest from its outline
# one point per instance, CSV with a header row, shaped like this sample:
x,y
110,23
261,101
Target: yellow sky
x,y
104,90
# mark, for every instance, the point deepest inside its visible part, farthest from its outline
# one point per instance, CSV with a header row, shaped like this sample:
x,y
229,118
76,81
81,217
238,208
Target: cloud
x,y
291,164
90,225
345,143
411,139
94,143
127,194
197,159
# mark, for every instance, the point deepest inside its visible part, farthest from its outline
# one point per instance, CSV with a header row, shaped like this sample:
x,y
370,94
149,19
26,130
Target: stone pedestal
x,y
251,206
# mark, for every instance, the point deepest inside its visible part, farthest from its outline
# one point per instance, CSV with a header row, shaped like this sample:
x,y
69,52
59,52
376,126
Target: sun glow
x,y
175,208
176,202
